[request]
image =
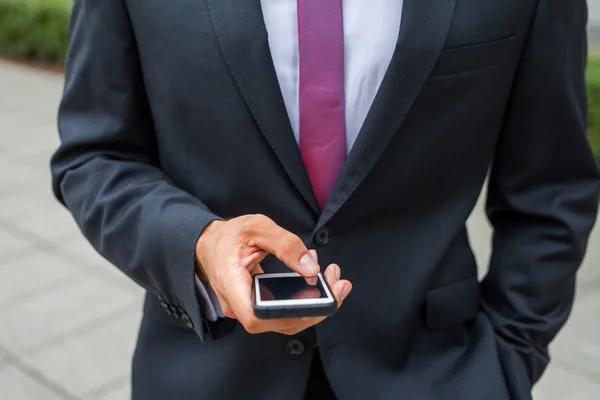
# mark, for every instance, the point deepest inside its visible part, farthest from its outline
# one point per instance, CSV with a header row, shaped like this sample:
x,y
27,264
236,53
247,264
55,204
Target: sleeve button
x,y
187,321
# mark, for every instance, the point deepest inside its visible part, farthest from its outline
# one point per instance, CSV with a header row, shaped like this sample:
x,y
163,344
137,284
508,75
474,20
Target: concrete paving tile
x,y
20,199
557,384
37,188
108,388
589,274
50,221
594,12
42,140
480,234
38,90
578,343
16,175
36,131
14,204
38,152
57,313
32,274
9,243
35,157
15,385
78,250
34,207
82,248
95,358
123,393
3,356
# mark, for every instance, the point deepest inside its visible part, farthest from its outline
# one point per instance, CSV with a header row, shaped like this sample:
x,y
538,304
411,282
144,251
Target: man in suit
x,y
204,141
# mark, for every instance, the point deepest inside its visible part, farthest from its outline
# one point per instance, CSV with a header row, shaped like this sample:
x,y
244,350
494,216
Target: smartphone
x,y
288,295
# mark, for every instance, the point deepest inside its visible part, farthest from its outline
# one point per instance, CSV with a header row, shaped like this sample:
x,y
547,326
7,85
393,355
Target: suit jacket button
x,y
172,311
322,236
166,307
295,347
187,321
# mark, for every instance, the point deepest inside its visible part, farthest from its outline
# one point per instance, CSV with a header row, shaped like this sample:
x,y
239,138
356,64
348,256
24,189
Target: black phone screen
x,y
289,288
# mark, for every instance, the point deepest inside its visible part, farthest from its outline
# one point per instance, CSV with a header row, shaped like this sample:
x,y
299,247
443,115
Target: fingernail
x,y
309,265
346,291
312,281
338,273
314,255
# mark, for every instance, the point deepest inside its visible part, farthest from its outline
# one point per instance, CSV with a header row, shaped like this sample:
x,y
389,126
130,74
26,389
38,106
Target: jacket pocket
x,y
473,57
452,304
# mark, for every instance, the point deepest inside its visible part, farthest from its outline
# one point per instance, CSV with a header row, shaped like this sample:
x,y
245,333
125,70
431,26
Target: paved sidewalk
x,y
68,320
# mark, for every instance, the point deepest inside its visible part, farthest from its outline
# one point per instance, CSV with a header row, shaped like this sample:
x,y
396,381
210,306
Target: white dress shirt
x,y
371,29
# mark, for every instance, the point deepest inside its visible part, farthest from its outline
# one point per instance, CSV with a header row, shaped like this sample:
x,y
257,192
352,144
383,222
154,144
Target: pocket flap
x,y
472,57
452,304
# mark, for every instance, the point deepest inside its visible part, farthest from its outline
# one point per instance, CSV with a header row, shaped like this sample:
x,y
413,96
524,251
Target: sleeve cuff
x,y
209,303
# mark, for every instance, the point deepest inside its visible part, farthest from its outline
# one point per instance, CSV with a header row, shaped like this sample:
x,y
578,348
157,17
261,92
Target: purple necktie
x,y
321,93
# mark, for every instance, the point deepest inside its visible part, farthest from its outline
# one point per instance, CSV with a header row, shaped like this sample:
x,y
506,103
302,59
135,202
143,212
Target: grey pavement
x,y
594,12
594,25
68,319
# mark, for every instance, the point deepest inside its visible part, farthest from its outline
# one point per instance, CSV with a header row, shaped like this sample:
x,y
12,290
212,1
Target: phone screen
x,y
289,288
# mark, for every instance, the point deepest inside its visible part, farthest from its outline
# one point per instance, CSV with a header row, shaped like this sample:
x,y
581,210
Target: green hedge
x,y
35,29
38,30
593,83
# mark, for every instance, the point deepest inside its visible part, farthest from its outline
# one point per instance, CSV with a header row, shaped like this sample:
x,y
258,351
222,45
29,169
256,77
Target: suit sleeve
x,y
543,193
107,170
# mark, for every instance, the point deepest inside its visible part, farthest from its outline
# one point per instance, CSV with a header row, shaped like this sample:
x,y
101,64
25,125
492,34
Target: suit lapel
x,y
424,27
242,36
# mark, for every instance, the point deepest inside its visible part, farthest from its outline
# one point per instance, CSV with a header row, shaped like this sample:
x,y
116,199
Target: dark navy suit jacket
x,y
172,117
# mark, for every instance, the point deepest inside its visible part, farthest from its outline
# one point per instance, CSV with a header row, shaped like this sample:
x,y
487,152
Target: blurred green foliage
x,y
38,30
593,83
35,29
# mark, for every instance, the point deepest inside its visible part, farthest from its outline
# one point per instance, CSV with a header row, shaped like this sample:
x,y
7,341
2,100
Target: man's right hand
x,y
229,254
